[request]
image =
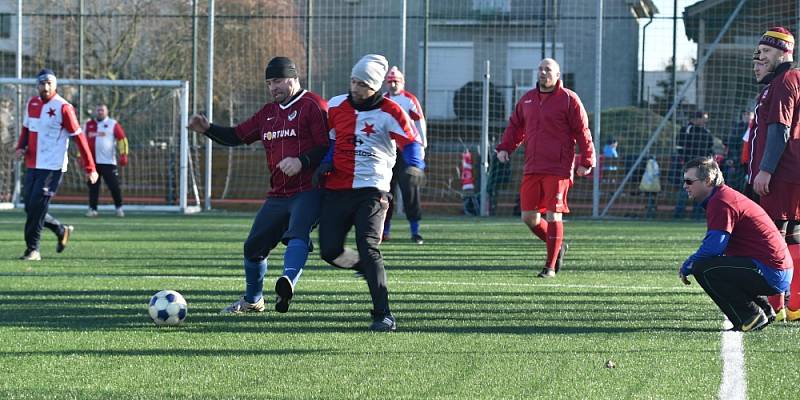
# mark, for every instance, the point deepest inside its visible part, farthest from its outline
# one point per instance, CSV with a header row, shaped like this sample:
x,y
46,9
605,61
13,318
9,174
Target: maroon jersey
x,y
288,131
753,234
779,103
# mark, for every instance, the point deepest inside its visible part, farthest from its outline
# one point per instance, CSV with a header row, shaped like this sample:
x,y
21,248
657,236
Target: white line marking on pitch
x,y
734,380
404,282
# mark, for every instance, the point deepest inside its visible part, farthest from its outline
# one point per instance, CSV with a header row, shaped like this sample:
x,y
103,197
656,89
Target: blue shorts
x,y
280,220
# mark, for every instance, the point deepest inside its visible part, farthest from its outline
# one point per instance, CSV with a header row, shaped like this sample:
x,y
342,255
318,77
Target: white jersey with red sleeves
x,y
103,136
49,126
411,105
366,143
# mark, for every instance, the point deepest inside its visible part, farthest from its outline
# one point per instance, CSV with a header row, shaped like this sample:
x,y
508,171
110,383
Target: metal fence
x,y
442,47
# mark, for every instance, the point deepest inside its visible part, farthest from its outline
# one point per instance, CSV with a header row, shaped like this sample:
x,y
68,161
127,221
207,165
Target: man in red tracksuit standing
x,y
550,120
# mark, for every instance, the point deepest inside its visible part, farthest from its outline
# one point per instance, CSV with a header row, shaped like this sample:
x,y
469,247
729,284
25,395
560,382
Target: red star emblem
x,y
51,112
368,129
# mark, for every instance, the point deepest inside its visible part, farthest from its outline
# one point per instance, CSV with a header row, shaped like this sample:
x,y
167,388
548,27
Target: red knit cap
x,y
779,38
395,75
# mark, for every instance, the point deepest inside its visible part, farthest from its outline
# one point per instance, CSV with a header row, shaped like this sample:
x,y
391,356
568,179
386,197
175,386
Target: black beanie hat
x,y
45,74
281,67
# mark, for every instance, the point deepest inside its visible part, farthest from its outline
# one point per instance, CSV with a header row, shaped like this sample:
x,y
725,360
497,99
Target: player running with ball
x,y
293,130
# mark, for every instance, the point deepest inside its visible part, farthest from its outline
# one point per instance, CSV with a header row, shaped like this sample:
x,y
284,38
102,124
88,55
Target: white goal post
x,y
154,115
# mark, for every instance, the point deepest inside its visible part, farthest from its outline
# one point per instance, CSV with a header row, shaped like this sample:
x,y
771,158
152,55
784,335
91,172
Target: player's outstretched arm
x,y
223,135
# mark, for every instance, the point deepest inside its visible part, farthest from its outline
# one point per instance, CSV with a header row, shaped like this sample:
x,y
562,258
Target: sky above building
x,y
658,37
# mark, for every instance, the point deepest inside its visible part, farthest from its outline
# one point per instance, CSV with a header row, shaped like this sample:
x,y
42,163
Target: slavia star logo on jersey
x,y
369,129
51,112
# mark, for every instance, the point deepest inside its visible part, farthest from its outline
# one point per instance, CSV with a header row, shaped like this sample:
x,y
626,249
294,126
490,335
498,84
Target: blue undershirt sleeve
x,y
328,159
714,244
412,155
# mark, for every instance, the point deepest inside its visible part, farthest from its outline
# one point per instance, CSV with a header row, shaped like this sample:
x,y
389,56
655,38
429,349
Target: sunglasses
x,y
689,182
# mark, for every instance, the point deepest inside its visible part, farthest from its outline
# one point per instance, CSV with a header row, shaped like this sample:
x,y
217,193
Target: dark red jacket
x,y
550,129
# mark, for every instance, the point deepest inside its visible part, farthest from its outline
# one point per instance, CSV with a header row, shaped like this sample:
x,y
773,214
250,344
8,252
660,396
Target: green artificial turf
x,y
474,322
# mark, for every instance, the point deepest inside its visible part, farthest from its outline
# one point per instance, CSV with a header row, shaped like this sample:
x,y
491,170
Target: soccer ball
x,y
167,307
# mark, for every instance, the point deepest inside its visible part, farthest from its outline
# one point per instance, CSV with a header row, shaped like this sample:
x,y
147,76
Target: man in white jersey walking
x,y
395,81
365,131
49,120
106,138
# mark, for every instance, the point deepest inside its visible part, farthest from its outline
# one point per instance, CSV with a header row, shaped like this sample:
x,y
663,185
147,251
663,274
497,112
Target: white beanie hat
x,y
371,69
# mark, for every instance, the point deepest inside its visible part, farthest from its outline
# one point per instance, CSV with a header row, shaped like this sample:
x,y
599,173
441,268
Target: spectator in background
x,y
49,122
734,170
609,153
610,149
693,141
409,188
106,138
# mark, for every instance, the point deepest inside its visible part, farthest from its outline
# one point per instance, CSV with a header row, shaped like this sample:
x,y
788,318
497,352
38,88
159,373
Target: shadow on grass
x,y
346,311
238,352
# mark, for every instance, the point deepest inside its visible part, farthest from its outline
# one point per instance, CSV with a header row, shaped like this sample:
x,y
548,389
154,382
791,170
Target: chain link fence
x,y
442,47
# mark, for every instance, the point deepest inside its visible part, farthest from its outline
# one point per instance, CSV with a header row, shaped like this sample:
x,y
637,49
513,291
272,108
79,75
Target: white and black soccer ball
x,y
167,307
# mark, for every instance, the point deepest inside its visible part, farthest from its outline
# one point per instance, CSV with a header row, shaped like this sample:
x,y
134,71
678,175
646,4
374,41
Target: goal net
x,y
153,114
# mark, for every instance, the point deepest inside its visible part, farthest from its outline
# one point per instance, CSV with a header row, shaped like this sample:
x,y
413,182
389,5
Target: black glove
x,y
319,174
415,175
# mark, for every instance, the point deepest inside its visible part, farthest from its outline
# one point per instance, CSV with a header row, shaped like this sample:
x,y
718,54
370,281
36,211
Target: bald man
x,y
550,120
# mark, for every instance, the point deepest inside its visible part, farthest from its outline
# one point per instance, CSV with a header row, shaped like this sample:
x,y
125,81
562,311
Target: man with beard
x,y
367,130
775,143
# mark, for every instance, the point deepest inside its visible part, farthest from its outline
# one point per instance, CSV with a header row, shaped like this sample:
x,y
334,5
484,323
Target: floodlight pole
x,y
17,164
209,103
485,143
184,149
403,29
598,104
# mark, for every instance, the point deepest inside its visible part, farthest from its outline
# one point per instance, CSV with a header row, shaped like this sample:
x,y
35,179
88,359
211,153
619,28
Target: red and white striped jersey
x,y
103,136
411,105
49,125
366,143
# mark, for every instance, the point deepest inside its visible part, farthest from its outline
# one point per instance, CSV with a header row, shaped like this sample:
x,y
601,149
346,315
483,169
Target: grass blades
x,y
473,320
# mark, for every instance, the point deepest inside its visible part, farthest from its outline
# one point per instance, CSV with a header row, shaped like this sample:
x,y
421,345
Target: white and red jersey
x,y
366,143
46,128
411,105
103,136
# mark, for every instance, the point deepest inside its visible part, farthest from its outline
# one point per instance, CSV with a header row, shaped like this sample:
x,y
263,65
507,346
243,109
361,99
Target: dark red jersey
x,y
288,131
753,233
779,103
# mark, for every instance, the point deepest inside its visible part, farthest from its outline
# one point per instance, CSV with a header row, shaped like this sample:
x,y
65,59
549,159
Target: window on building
x,y
5,26
490,7
522,80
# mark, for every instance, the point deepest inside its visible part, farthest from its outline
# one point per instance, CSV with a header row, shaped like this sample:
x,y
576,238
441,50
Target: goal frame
x,y
183,182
